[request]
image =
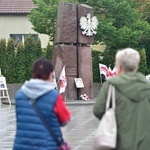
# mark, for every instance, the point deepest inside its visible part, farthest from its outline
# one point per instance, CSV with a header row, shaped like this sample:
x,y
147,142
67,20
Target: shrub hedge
x,y
16,62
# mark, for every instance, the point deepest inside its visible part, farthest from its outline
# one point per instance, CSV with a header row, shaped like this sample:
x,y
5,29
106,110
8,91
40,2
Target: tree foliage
x,y
20,75
10,61
144,7
119,23
95,66
3,56
30,53
38,48
16,63
49,51
143,63
43,17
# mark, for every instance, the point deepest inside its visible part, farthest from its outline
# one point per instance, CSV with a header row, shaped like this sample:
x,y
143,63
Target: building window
x,y
21,37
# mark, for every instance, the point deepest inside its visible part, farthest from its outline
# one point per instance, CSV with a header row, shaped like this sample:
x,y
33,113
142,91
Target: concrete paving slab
x,y
78,133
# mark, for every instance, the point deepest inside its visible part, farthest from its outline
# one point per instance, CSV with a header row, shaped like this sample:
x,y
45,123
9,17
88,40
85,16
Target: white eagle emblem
x,y
89,25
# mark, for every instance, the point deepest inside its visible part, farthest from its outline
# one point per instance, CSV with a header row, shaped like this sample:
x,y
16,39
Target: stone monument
x,y
72,48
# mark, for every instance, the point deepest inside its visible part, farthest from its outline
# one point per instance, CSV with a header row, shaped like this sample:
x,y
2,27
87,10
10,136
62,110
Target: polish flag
x,y
63,81
105,71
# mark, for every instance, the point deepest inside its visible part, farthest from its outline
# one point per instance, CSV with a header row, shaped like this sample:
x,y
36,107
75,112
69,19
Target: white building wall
x,y
18,24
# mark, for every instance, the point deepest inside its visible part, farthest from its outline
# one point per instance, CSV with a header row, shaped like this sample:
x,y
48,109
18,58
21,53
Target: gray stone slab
x,y
71,89
65,55
85,71
66,23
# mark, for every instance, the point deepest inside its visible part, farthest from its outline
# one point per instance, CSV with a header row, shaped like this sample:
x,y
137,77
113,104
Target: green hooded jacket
x,y
132,110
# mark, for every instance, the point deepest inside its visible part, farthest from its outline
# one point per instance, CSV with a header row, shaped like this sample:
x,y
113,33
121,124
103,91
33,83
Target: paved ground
x,y
79,132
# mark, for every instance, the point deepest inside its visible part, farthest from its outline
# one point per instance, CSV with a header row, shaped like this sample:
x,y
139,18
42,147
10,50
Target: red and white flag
x,y
105,71
63,81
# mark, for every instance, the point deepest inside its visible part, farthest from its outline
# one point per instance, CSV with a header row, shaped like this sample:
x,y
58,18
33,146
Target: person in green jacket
x,y
132,91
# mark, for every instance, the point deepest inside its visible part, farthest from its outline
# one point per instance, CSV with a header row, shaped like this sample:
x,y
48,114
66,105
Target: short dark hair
x,y
42,69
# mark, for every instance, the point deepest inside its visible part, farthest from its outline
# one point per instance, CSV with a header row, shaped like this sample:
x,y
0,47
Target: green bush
x,y
49,51
38,48
10,62
3,56
95,65
16,64
143,63
20,75
30,54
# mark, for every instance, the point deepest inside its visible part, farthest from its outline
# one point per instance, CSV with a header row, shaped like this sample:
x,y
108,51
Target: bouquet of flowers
x,y
84,97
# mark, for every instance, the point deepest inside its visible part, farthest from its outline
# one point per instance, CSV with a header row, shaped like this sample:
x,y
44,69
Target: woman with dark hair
x,y
31,133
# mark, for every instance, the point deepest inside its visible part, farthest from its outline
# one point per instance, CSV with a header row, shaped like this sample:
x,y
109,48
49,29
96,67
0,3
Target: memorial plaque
x,y
79,82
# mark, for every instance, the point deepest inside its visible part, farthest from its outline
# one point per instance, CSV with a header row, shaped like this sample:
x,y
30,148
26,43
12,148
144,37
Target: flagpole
x,y
100,74
0,72
101,79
